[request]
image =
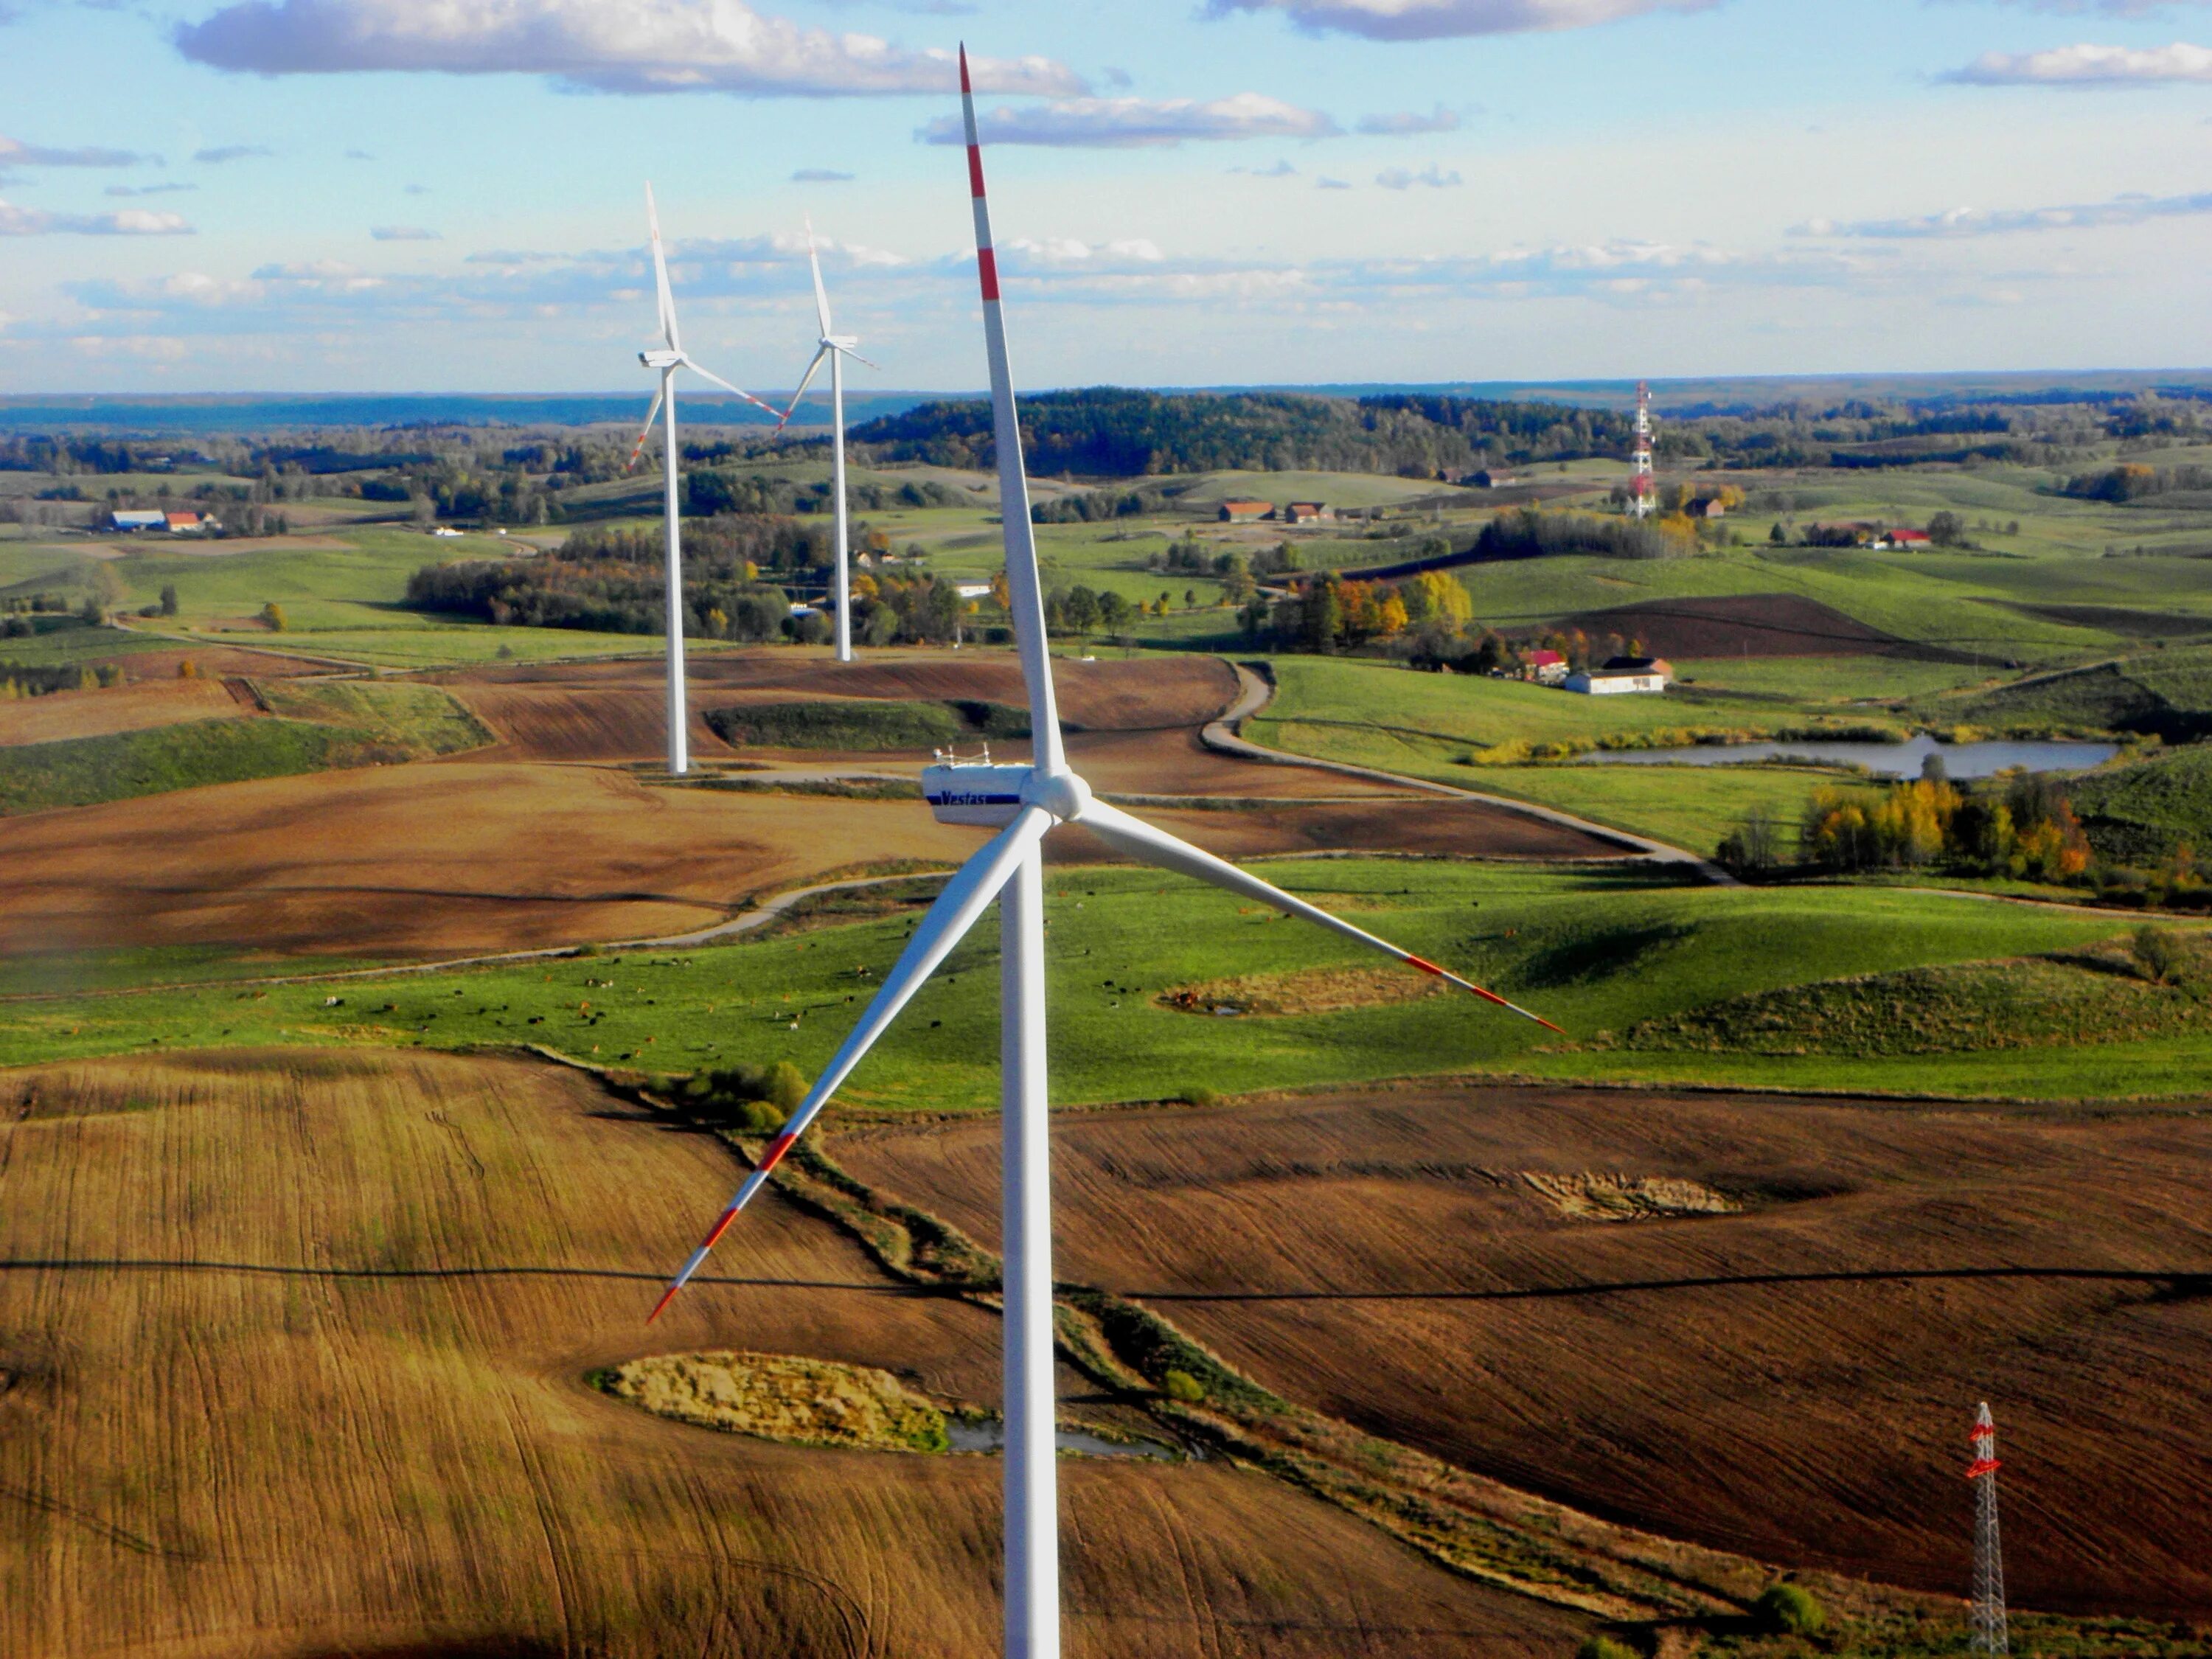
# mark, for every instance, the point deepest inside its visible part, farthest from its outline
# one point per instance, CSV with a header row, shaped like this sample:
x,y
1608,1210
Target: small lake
x,y
1896,759
991,1436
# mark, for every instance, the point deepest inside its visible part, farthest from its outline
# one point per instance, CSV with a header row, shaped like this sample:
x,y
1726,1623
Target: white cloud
x,y
2087,65
1973,222
820,176
1327,183
130,221
1436,19
148,190
1407,122
610,45
1119,123
1433,176
403,233
1281,169
221,153
14,153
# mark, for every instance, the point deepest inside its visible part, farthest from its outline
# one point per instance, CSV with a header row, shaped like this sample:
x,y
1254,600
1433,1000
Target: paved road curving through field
x,y
1223,735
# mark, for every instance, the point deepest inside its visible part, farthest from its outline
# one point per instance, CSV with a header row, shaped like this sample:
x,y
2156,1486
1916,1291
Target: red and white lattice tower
x,y
1990,1635
1642,488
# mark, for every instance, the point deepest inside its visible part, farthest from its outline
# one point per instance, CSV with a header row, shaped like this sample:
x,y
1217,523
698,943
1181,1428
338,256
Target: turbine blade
x,y
966,898
1025,600
821,353
644,432
660,275
755,402
1139,840
858,358
821,298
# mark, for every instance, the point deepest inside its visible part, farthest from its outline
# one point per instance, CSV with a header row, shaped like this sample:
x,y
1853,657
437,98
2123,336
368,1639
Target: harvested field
x,y
1749,624
430,860
133,708
412,1261
1793,1382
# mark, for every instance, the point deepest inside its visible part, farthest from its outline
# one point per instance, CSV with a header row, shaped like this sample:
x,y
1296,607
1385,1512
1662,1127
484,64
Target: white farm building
x,y
1622,674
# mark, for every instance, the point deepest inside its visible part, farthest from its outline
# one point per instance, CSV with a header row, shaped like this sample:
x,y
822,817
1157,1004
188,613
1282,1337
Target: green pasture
x,y
1393,706
1599,952
61,640
1825,681
1207,491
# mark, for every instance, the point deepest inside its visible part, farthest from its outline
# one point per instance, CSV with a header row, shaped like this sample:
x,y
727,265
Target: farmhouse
x,y
1623,674
1487,478
1544,666
1235,512
186,524
972,590
127,518
1308,512
1909,541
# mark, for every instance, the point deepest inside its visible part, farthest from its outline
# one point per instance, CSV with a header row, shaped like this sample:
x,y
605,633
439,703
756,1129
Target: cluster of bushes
x,y
2019,825
757,1098
710,491
2131,481
1426,613
1529,534
19,680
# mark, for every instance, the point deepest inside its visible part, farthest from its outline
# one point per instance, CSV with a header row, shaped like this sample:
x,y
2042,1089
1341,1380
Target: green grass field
x,y
2145,812
36,777
1599,952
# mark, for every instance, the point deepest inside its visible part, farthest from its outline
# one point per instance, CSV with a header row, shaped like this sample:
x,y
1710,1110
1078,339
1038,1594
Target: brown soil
x,y
293,1347
1778,1381
443,858
1749,624
488,851
132,708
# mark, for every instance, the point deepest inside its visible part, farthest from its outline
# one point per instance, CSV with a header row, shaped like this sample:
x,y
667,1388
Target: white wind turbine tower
x,y
836,348
1024,803
667,360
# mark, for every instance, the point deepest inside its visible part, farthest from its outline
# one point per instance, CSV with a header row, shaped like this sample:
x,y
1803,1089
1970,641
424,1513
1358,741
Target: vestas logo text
x,y
968,799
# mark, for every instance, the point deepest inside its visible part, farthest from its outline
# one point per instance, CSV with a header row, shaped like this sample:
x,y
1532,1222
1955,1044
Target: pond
x,y
990,1435
1896,759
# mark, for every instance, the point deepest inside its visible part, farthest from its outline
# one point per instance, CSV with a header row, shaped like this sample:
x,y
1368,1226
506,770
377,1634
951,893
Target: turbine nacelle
x,y
991,795
658,359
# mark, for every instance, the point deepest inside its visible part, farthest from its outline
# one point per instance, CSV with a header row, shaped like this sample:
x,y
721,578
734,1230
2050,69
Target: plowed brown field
x,y
439,858
497,850
291,1363
1793,1382
1751,624
94,714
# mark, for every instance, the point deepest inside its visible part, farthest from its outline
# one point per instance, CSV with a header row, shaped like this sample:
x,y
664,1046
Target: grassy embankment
x,y
854,726
319,725
1597,952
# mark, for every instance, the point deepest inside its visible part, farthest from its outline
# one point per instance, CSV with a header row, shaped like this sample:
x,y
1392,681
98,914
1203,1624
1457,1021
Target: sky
x,y
448,195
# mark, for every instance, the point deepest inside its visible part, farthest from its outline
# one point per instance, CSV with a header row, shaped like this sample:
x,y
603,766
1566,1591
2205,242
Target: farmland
x,y
358,967
413,1262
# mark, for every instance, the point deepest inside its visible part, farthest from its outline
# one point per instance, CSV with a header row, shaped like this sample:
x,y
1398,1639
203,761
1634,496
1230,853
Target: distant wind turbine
x,y
1024,803
668,361
836,348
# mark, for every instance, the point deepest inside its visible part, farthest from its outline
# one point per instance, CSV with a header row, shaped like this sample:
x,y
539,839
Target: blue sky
x,y
339,195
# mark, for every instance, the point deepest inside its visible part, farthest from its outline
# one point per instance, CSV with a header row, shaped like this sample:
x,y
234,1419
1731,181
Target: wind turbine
x,y
1024,803
836,348
668,361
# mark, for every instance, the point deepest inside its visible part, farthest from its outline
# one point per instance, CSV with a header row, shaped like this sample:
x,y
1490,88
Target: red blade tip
x,y
666,1297
964,88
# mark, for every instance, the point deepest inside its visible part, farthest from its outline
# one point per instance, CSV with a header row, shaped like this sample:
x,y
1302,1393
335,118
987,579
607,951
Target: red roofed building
x,y
184,524
1246,512
1544,666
